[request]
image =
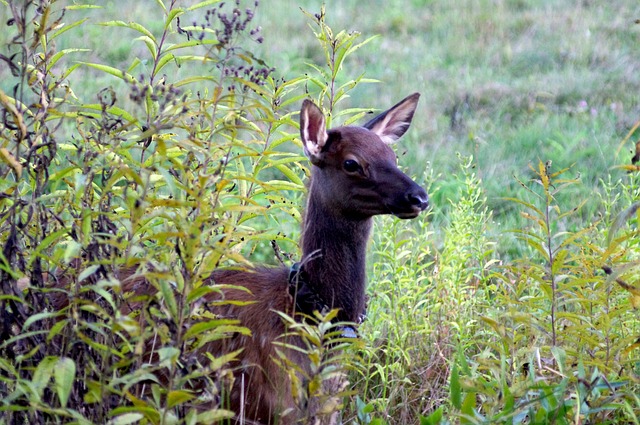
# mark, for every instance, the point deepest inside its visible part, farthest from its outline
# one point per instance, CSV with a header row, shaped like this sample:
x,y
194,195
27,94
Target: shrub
x,y
557,344
179,159
182,164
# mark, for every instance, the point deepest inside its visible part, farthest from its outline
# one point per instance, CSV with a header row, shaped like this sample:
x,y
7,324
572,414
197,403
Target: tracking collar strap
x,y
308,301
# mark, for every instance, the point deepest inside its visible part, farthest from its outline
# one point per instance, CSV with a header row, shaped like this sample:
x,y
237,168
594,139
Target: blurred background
x,y
507,82
460,306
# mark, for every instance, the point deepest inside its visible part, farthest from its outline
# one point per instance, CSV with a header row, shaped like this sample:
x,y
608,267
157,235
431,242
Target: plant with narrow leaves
x,y
553,354
160,178
155,177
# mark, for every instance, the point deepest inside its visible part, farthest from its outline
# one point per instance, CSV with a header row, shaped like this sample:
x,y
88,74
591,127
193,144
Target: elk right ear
x,y
393,123
313,131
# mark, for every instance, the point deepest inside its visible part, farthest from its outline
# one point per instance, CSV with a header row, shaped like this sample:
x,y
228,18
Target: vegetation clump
x,y
171,149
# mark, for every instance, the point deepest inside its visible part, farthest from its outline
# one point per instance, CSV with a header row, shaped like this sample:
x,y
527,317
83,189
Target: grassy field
x,y
494,307
507,82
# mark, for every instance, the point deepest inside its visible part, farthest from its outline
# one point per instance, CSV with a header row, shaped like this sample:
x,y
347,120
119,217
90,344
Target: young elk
x,y
354,177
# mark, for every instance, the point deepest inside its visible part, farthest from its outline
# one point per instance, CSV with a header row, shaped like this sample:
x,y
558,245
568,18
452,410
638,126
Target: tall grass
x,y
130,139
509,83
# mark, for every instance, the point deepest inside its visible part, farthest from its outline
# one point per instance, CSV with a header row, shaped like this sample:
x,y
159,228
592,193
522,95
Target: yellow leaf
x,y
9,103
221,184
632,347
8,158
175,398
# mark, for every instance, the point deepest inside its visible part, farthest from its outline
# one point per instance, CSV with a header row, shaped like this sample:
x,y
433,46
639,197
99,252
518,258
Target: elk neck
x,y
334,256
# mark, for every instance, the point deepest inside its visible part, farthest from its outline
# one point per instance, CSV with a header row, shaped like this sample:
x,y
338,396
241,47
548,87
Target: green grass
x,y
461,304
509,82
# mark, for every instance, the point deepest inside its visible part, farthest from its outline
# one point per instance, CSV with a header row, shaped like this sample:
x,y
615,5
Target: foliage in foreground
x,y
185,163
458,337
167,178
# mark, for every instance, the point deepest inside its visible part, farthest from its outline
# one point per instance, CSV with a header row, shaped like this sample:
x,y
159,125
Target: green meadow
x,y
513,300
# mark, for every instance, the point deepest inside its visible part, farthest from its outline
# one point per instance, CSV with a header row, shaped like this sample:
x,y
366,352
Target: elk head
x,y
355,172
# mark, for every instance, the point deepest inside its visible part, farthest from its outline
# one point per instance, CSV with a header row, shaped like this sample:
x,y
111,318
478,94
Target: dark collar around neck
x,y
307,300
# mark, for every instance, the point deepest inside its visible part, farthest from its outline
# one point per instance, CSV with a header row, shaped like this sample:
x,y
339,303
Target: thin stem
x,y
334,72
551,272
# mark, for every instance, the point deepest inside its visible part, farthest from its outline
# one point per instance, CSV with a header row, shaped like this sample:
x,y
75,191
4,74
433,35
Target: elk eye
x,y
351,166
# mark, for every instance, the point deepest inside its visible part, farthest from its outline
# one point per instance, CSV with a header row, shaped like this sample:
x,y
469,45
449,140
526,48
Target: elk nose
x,y
418,198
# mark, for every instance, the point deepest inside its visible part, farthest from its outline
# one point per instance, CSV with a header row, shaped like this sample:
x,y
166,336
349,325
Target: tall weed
x,y
556,344
188,160
423,307
181,165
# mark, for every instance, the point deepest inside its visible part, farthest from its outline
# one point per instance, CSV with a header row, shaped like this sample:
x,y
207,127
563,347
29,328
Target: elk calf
x,y
354,177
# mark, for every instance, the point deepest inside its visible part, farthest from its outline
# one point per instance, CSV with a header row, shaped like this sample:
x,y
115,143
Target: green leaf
x,y
434,418
11,298
188,44
214,416
82,7
538,247
455,390
191,80
528,205
172,15
290,174
55,58
94,392
162,5
131,25
88,272
367,408
164,59
468,407
559,261
111,70
509,399
221,361
46,242
201,327
42,374
39,316
561,358
168,356
620,220
56,329
126,419
66,74
202,4
64,375
150,413
201,291
114,110
151,45
66,28
193,58
176,398
169,298
134,64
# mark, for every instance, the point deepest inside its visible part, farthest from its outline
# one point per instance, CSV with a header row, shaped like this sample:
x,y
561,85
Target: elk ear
x,y
313,130
393,123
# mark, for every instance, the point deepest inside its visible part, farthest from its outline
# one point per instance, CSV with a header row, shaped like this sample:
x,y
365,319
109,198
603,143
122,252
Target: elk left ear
x,y
313,131
393,123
